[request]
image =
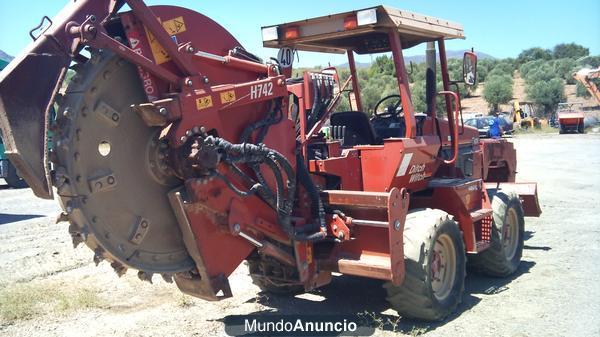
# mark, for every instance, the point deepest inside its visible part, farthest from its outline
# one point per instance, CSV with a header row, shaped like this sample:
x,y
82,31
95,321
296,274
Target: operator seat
x,y
352,128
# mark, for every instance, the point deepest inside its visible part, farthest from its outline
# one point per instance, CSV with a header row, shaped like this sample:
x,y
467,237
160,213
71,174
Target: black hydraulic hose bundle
x,y
313,193
254,155
275,116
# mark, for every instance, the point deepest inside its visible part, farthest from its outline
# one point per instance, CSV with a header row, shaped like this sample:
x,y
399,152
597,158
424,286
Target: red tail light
x,y
350,22
292,33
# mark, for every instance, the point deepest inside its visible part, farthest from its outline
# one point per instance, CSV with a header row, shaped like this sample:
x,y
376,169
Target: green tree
x,y
547,93
543,73
418,96
383,65
498,90
525,68
533,54
581,91
564,68
570,50
502,67
417,92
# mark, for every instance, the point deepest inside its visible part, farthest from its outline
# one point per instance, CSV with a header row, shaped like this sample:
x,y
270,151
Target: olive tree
x,y
546,93
498,90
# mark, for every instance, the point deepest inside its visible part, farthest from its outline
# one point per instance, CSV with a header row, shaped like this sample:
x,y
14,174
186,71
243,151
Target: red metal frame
x,y
403,85
453,126
355,83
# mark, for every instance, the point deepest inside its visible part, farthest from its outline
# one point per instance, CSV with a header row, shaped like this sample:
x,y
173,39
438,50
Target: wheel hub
x,y
443,267
510,234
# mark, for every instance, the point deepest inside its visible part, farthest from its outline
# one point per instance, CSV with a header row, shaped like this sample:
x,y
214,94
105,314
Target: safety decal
x,y
204,102
173,27
227,96
309,254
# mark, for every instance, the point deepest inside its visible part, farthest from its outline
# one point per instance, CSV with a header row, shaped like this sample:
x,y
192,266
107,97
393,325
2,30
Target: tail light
x,y
350,22
292,33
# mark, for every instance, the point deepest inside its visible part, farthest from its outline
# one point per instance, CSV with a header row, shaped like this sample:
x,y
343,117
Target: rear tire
x,y
503,257
13,179
434,257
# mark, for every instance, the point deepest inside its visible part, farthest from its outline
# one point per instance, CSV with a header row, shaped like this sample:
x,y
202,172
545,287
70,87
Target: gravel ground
x,y
554,292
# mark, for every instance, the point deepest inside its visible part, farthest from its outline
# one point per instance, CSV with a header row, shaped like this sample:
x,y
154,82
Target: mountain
x,y
450,54
4,56
359,65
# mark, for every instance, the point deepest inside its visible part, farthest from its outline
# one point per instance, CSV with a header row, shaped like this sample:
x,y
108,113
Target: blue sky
x,y
499,28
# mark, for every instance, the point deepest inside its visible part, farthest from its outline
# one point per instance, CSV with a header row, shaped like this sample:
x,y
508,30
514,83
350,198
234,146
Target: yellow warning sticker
x,y
173,27
159,53
204,102
227,96
309,254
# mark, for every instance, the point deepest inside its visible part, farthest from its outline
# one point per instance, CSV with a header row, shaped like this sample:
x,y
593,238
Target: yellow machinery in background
x,y
522,114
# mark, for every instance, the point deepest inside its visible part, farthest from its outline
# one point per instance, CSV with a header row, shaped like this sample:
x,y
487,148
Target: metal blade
x,y
109,175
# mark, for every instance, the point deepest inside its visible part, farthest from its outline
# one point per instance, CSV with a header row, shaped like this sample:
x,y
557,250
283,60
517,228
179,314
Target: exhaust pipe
x,y
430,78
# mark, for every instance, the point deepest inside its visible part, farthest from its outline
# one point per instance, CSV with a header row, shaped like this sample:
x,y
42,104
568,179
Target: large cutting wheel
x,y
109,172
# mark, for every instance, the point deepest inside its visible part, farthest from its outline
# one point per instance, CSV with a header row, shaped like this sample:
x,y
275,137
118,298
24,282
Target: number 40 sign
x,y
286,57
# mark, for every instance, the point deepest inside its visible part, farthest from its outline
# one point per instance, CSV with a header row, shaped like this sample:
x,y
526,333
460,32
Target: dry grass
x,y
28,300
184,301
393,324
542,129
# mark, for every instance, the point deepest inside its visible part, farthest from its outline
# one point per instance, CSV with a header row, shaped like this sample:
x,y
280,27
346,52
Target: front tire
x,y
434,257
503,257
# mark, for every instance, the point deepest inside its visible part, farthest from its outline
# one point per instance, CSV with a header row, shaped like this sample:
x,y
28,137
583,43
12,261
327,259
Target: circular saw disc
x,y
106,171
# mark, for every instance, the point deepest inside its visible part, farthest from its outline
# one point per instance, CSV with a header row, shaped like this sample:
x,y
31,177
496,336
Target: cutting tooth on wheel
x,y
76,233
98,256
144,276
167,277
77,239
119,268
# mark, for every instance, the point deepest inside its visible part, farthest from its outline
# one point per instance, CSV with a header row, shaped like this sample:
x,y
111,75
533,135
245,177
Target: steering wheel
x,y
393,108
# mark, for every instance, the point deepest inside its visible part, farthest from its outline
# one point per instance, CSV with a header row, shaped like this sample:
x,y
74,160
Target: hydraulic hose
x,y
252,154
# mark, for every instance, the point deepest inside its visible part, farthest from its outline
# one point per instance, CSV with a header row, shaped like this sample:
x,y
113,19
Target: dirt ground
x,y
47,288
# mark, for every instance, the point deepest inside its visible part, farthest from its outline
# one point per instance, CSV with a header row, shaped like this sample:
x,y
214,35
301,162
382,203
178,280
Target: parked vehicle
x,y
482,124
570,118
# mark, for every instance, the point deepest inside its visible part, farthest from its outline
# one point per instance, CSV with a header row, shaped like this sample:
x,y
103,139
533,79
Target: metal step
x,y
480,214
373,266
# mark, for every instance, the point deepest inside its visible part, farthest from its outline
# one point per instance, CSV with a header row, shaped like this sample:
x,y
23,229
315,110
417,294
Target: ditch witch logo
x,y
294,325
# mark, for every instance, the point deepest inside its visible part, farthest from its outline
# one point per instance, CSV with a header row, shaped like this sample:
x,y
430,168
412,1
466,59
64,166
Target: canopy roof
x,y
328,34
